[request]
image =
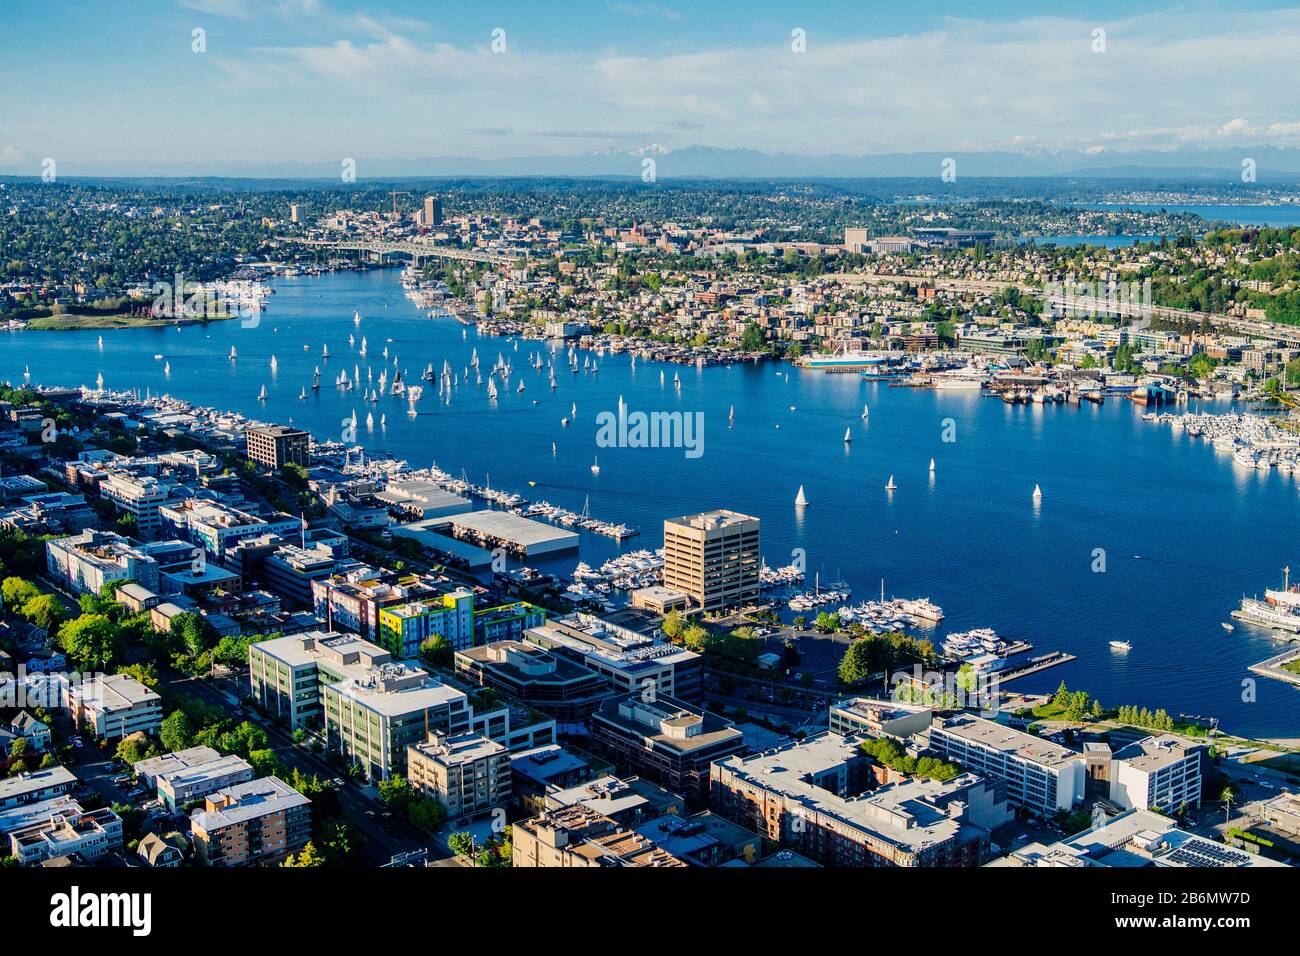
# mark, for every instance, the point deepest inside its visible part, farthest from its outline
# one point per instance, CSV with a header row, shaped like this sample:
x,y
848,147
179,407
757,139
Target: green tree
x,y
461,844
90,641
672,625
308,856
436,651
17,592
176,733
45,611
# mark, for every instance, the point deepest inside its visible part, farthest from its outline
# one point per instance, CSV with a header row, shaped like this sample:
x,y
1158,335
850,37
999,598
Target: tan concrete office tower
x,y
713,557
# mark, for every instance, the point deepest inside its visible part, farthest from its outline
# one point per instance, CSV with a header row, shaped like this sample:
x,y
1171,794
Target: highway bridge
x,y
414,248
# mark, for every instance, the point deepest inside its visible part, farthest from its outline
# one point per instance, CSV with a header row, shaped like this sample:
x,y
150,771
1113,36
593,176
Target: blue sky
x,y
109,81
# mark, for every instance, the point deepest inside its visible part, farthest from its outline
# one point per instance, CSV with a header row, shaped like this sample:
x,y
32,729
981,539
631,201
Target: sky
x,y
113,82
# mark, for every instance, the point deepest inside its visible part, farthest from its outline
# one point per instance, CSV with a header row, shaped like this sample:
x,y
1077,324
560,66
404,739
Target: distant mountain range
x,y
1272,164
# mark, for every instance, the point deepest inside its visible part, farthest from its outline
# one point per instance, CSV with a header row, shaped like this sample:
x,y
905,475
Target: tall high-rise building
x,y
713,557
432,211
293,212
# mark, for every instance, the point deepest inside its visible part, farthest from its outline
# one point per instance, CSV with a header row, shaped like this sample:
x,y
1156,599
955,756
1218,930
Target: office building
x,y
148,771
664,740
713,558
139,495
467,773
276,446
812,797
288,675
1040,777
628,801
256,823
372,719
113,707
627,659
431,214
1157,773
554,685
183,785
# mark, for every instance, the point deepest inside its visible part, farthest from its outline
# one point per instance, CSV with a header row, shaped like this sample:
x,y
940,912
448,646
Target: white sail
x,y
848,436
801,499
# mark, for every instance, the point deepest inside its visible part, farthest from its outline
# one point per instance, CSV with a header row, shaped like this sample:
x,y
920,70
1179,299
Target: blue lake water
x,y
1185,531
1245,214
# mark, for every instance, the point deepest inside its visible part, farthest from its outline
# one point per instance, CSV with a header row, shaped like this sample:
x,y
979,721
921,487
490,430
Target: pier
x,y
1033,666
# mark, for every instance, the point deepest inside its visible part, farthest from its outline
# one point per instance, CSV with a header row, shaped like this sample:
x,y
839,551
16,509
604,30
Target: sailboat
x,y
661,376
848,436
731,415
315,381
302,396
233,354
383,420
595,467
889,485
167,368
573,411
370,421
492,389
356,318
274,364
932,466
865,411
1038,493
520,388
800,499
101,343
325,351
261,396
99,381
552,448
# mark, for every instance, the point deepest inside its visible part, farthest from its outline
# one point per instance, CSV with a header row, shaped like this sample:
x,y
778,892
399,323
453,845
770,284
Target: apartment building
x,y
112,707
1134,838
506,622
217,528
1157,773
1040,777
90,835
404,627
812,796
276,446
351,600
627,659
878,718
467,773
576,836
554,685
86,562
713,558
35,787
664,740
256,823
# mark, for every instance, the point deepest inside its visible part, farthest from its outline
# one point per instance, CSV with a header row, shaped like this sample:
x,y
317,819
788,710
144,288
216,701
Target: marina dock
x,y
1035,665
